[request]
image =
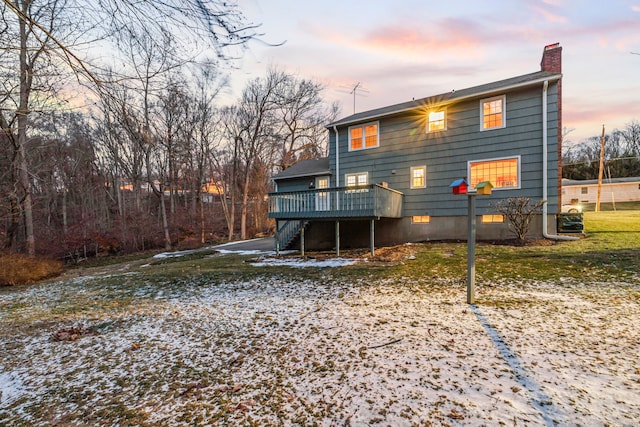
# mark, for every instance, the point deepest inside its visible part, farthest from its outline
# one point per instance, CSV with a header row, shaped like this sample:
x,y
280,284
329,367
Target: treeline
x,y
154,161
161,168
621,155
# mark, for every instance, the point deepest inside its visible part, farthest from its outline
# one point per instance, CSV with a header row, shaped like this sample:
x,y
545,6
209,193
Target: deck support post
x,y
302,241
277,238
372,237
337,238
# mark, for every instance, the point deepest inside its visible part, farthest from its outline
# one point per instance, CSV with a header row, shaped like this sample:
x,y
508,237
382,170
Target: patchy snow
x,y
244,252
272,351
304,263
176,254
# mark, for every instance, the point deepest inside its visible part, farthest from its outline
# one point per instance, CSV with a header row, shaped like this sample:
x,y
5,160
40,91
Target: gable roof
x,y
304,168
448,97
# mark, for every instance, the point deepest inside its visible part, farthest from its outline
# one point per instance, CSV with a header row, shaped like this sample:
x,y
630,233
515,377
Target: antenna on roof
x,y
358,86
355,89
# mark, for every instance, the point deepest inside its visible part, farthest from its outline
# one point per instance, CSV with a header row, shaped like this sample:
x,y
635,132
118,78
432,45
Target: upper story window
x,y
501,173
364,136
493,113
419,177
584,190
437,121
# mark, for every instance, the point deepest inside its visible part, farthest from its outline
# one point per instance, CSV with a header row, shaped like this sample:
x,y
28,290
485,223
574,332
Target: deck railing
x,y
367,201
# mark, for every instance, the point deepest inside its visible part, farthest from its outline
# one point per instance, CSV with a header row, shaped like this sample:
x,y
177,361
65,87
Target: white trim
x,y
448,102
495,159
437,110
424,168
503,98
364,136
356,174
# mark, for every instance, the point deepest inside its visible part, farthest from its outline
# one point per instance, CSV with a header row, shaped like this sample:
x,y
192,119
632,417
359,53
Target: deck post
x,y
277,238
372,237
337,238
302,241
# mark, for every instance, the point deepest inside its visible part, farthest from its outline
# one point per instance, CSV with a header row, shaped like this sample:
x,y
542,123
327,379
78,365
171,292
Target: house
x,y
386,179
614,190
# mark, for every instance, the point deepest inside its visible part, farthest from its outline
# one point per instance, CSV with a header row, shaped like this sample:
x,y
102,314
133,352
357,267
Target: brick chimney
x,y
552,61
552,58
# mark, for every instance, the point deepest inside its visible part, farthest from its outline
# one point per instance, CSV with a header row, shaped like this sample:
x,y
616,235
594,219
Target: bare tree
x,y
39,34
519,212
303,115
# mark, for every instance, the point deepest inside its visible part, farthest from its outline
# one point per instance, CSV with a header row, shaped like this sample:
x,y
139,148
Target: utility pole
x,y
600,169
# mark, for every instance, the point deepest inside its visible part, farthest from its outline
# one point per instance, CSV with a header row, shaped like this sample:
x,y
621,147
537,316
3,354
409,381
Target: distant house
x,y
386,179
613,190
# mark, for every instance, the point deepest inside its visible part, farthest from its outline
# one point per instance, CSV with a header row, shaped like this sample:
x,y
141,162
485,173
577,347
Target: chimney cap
x,y
551,46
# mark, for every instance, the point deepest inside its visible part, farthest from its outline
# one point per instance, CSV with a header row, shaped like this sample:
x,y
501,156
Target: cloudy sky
x,y
401,49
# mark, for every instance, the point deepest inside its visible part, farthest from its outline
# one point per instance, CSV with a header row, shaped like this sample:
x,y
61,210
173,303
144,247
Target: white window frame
x,y
503,98
364,136
444,112
424,181
496,159
356,175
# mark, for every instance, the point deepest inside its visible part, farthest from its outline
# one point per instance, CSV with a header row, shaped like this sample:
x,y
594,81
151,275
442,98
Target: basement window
x,y
492,219
420,219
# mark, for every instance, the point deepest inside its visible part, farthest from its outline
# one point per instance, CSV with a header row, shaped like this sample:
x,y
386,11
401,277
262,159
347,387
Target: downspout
x,y
335,129
545,176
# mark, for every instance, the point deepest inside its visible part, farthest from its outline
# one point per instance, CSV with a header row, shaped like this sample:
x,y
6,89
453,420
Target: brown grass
x,y
20,270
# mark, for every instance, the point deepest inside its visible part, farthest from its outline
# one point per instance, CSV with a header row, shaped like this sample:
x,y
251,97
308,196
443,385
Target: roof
x,y
579,182
312,167
448,97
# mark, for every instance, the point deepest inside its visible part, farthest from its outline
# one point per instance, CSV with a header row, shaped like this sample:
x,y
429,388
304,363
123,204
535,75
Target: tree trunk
x,y
245,207
23,111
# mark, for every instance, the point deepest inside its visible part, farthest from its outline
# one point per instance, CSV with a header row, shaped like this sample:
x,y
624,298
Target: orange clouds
x,y
448,36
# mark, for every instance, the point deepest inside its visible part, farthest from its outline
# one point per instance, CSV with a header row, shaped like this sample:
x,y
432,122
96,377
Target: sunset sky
x,y
404,49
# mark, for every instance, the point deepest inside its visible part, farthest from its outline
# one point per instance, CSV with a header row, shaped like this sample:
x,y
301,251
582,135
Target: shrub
x,y
518,211
20,270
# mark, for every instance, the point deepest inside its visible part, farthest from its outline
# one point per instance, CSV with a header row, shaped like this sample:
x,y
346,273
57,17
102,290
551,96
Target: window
x,y
421,219
356,179
584,190
419,177
363,136
492,112
437,121
492,219
501,173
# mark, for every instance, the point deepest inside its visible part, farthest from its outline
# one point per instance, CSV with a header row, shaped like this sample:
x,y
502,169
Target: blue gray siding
x,y
404,143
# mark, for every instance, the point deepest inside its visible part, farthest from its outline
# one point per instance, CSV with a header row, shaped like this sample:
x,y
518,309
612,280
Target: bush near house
x,y
20,270
518,211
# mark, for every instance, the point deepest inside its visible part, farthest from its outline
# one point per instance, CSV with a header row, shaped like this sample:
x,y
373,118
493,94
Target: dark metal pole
x,y
372,237
471,250
337,238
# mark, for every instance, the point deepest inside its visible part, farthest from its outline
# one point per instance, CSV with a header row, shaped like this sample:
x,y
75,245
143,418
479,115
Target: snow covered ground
x,y
285,351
